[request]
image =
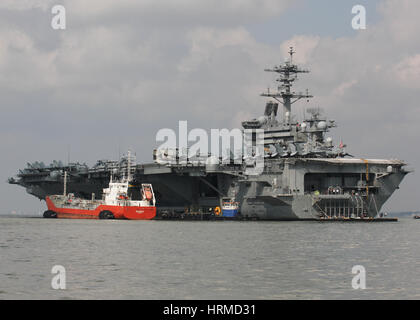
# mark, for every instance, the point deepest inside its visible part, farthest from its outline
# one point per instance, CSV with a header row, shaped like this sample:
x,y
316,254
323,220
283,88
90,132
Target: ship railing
x,y
340,206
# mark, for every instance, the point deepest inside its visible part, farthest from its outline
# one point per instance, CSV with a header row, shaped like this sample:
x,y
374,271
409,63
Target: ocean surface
x,y
105,259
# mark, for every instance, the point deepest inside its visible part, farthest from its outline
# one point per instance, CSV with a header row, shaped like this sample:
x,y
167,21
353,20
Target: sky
x,y
122,70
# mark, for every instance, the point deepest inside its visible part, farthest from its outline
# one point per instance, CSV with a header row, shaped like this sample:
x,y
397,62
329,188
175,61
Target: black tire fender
x,y
50,214
106,214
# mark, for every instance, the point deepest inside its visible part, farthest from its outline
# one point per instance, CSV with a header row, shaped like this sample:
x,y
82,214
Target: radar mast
x,y
287,75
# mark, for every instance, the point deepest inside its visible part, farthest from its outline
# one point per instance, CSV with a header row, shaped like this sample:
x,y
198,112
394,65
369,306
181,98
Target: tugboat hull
x,y
100,212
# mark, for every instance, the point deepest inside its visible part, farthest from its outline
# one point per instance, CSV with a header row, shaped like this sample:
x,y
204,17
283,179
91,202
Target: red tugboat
x,y
115,204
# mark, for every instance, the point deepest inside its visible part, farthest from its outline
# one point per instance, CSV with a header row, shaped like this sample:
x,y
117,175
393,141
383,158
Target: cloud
x,y
24,68
401,19
21,5
181,12
204,42
407,72
304,45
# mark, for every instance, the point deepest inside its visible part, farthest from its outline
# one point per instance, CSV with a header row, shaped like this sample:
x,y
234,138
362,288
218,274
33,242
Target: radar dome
x,y
262,119
329,141
212,160
322,125
212,163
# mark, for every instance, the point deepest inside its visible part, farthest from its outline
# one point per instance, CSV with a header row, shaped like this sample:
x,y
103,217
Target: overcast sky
x,y
122,70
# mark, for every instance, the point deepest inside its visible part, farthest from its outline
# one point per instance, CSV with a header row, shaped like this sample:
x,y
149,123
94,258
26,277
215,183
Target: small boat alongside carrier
x,y
115,203
230,208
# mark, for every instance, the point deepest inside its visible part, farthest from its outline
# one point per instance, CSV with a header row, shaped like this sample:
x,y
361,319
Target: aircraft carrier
x,y
305,176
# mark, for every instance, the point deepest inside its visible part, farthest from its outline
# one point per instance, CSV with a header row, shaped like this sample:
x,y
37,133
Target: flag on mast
x,y
341,146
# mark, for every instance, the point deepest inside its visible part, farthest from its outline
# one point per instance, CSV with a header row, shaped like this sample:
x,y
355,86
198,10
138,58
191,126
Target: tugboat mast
x,y
288,74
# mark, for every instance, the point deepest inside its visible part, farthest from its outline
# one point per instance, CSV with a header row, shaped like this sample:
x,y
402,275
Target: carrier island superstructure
x,y
305,176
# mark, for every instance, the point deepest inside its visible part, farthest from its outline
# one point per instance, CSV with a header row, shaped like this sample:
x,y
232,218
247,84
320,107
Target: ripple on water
x,y
205,260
